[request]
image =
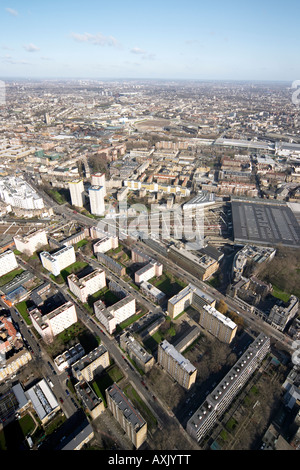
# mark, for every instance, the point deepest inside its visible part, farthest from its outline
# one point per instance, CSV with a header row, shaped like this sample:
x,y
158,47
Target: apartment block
x,y
136,352
216,403
30,243
126,415
96,195
8,262
190,295
55,322
176,364
279,316
90,364
111,316
67,358
152,292
98,179
87,285
76,188
59,260
217,324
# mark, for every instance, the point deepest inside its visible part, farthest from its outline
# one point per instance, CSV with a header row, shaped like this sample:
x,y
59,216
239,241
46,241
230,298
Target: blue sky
x,y
187,39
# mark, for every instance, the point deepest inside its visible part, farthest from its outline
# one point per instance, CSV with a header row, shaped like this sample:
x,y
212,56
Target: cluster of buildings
x,y
96,193
120,311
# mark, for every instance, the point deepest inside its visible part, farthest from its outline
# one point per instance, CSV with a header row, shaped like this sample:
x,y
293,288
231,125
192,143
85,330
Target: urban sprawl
x,y
149,265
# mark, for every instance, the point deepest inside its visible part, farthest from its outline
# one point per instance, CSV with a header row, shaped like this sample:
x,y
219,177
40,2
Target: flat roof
x,y
265,224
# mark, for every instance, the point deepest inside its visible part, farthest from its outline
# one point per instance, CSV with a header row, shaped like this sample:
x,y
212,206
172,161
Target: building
x,y
201,263
28,244
217,324
16,192
152,292
76,188
98,179
111,316
87,285
136,352
216,403
279,316
90,364
8,262
190,295
126,415
96,195
176,365
152,269
69,357
263,223
112,264
92,404
59,260
55,322
43,401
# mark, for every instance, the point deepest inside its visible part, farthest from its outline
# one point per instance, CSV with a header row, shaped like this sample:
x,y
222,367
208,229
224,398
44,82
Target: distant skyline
x,y
190,40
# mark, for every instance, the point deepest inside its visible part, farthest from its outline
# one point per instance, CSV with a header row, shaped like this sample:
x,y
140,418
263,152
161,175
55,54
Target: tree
x,y
222,307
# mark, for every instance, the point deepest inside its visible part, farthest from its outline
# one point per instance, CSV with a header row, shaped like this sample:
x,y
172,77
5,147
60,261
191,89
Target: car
x,y
61,400
67,392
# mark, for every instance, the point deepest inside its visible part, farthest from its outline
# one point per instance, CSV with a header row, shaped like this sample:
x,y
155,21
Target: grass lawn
x,y
10,276
137,401
73,268
22,308
279,294
168,284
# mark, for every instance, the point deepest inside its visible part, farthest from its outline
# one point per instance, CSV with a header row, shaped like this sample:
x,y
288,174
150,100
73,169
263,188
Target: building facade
x,y
55,322
8,262
176,365
30,243
87,285
76,188
126,415
57,261
96,195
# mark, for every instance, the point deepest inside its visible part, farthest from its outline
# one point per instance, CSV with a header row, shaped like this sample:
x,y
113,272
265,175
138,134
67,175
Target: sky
x,y
150,39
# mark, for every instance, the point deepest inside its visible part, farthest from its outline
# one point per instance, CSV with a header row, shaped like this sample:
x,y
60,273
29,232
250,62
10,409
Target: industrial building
x,y
263,223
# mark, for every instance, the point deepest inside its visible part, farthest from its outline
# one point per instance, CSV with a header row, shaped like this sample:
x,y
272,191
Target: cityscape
x,y
149,262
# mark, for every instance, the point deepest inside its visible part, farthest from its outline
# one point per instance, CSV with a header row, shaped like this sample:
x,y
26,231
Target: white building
x,y
110,317
30,243
96,195
106,240
8,262
54,322
60,260
16,192
87,285
76,188
98,179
